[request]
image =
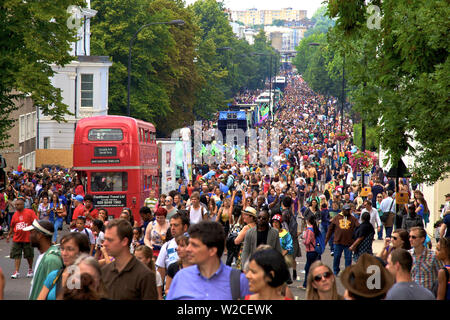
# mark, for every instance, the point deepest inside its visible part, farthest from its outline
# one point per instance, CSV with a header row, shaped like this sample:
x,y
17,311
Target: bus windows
x,y
105,135
109,181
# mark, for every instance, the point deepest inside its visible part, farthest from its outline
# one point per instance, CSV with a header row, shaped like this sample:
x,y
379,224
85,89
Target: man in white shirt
x,y
185,134
196,212
374,217
179,225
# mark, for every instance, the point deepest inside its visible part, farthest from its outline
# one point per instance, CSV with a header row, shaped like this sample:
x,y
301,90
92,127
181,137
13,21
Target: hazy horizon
x,y
309,5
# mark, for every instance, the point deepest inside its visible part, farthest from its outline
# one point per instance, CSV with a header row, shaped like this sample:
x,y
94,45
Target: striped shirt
x,y
425,268
151,203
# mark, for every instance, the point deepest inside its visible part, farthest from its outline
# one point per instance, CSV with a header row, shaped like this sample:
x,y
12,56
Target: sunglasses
x,y
395,238
412,237
325,275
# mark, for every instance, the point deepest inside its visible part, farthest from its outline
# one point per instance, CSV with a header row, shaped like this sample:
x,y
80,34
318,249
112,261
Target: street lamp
x,y
172,22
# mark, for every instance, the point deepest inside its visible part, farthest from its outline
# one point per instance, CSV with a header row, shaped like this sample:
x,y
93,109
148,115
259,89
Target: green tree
x,y
212,61
33,36
163,76
318,65
278,22
407,76
226,72
322,23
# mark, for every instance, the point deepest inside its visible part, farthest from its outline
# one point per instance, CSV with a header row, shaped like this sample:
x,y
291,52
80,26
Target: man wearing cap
x,y
367,279
342,226
21,219
41,234
78,211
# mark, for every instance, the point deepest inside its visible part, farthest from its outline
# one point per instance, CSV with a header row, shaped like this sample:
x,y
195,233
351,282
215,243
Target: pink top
x,y
310,240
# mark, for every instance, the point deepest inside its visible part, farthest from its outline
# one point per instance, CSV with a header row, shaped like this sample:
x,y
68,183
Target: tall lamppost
x,y
174,22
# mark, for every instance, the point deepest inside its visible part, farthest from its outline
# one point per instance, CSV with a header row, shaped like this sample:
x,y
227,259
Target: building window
x,y
87,90
22,128
33,160
34,124
29,126
46,142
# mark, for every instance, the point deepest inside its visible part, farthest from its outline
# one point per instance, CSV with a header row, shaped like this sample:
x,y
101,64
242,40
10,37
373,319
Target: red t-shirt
x,y
79,211
21,220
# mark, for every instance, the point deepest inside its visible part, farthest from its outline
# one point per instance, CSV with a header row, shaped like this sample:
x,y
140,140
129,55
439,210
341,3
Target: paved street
x,y
18,289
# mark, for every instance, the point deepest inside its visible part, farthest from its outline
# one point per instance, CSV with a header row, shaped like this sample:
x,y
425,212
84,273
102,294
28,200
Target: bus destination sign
x,y
110,200
105,151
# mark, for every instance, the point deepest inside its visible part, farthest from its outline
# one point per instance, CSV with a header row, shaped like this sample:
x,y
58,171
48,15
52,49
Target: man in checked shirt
x,y
425,264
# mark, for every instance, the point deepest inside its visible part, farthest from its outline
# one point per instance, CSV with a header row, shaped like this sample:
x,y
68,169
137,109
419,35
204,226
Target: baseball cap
x,y
79,198
277,217
43,226
346,207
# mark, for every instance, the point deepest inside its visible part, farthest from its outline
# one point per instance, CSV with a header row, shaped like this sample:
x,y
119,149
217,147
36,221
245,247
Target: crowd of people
x,y
262,217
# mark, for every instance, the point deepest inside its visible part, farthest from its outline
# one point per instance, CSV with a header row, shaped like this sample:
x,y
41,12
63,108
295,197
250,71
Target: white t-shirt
x,y
159,282
185,134
167,254
88,233
195,215
374,218
100,238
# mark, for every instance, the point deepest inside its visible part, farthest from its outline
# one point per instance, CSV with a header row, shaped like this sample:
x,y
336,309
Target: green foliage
x,y
399,77
278,22
163,77
372,137
322,23
34,35
178,72
226,72
317,65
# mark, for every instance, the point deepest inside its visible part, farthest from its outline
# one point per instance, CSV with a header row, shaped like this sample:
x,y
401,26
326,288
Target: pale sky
x,y
310,5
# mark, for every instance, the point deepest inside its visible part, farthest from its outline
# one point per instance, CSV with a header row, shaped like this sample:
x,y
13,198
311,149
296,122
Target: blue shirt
x,y
387,204
189,284
48,284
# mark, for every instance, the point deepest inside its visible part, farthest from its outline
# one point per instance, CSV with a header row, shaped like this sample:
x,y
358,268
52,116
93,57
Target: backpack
x,y
320,243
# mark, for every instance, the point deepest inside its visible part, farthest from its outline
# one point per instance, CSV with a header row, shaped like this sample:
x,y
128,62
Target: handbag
x,y
385,215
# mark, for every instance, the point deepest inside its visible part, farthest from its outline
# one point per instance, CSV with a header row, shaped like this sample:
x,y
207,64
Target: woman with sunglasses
x,y
321,283
400,239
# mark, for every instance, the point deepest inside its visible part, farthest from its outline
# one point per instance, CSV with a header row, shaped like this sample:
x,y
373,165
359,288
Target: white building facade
x,y
84,88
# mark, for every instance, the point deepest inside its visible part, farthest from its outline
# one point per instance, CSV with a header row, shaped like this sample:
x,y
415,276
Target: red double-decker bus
x,y
117,160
